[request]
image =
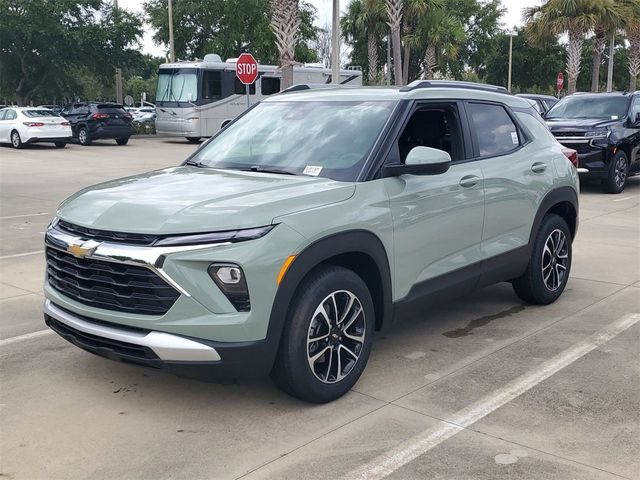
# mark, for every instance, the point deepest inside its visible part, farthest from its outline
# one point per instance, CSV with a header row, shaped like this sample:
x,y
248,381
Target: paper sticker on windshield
x,y
312,170
614,117
514,138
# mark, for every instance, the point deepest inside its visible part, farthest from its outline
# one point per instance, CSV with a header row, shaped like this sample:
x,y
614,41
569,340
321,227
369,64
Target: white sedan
x,y
22,125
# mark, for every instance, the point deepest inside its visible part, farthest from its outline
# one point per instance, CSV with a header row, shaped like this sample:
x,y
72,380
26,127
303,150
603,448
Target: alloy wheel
x,y
15,139
555,258
82,136
336,335
620,172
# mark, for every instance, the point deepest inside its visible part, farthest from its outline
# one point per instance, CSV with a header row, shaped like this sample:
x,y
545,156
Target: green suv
x,y
314,219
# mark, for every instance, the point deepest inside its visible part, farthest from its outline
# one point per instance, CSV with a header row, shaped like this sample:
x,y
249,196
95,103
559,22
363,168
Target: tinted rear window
x,y
111,109
38,113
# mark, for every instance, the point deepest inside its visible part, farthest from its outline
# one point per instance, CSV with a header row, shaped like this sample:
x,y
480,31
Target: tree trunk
x,y
372,58
430,62
633,35
574,51
599,44
405,64
285,23
394,12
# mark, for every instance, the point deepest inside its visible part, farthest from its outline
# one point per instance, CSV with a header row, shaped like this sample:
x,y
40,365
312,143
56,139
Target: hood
x,y
190,199
578,124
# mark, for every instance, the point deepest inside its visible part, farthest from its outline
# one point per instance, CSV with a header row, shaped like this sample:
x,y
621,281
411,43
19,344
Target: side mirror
x,y
421,161
635,122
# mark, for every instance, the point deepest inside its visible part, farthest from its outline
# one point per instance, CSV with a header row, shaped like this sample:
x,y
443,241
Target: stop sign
x,y
560,81
247,68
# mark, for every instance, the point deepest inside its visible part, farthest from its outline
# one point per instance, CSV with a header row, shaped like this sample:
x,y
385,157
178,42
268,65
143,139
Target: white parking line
x,y
404,453
623,199
24,216
15,255
26,336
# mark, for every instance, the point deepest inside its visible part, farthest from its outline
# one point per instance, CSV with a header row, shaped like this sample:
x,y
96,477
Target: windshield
x,y
611,108
327,139
175,84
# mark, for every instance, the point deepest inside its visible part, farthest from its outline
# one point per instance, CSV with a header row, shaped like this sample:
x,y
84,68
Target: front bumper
x,y
196,358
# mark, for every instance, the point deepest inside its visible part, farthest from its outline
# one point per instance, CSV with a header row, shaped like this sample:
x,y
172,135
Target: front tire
x,y
550,263
328,336
122,141
84,137
617,175
16,141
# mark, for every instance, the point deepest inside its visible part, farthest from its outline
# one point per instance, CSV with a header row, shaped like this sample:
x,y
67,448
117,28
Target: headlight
x,y
598,132
231,236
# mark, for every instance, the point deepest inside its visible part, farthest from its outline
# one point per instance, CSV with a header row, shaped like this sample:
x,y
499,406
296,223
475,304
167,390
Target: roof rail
x,y
298,87
452,84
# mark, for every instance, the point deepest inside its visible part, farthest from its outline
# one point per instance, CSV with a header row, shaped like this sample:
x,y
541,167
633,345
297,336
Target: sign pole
x,y
248,98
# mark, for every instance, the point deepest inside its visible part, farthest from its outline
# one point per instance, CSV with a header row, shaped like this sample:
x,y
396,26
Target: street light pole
x,y
512,33
172,52
118,69
335,43
612,47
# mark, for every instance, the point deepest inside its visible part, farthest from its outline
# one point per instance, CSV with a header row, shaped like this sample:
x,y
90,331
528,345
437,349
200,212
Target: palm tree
x,y
632,30
441,35
394,14
556,17
366,17
414,10
285,23
608,19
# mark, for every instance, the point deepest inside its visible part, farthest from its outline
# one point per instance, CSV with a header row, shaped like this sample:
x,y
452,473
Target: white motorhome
x,y
196,99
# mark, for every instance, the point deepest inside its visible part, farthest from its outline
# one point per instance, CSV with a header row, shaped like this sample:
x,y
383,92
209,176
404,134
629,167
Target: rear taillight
x,y
98,116
33,124
128,115
572,155
65,124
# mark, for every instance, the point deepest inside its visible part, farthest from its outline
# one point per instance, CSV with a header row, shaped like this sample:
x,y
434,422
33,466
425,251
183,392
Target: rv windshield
x,y
321,138
175,84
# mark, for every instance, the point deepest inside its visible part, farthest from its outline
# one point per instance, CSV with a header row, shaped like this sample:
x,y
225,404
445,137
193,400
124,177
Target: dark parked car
x,y
542,103
604,128
93,120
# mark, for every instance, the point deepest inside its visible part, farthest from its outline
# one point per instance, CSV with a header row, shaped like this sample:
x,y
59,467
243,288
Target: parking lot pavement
x,y
483,387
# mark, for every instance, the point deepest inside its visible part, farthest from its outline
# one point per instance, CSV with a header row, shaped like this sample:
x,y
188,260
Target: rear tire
x,y
84,137
16,141
193,139
122,141
550,263
328,336
617,175
60,144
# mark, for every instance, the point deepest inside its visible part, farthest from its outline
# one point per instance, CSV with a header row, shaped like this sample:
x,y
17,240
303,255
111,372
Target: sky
x,y
513,17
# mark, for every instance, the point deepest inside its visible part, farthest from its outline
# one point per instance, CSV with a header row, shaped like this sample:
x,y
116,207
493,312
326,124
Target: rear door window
x,y
495,131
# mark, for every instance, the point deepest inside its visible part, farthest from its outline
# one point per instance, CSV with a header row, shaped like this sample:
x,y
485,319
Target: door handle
x,y
469,181
538,167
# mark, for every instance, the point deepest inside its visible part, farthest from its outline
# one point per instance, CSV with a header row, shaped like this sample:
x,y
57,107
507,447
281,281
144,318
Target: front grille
x,y
103,346
578,147
104,235
109,285
568,134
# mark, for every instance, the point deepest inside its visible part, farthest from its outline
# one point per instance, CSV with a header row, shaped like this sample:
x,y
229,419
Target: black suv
x,y
604,128
93,120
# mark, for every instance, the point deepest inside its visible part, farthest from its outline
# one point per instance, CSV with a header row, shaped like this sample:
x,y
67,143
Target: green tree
x,y
556,17
44,44
631,25
226,27
394,19
608,19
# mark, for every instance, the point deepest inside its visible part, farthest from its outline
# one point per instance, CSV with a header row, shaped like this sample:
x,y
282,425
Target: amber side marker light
x,y
285,266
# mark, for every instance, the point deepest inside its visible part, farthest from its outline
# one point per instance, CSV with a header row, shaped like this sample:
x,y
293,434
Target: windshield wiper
x,y
192,163
257,168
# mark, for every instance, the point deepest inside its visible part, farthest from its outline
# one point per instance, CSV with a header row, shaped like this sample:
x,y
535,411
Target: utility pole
x,y
172,52
388,73
116,17
335,43
612,47
512,33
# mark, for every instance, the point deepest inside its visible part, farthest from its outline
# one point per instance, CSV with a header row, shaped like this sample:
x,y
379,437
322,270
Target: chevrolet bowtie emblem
x,y
82,250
